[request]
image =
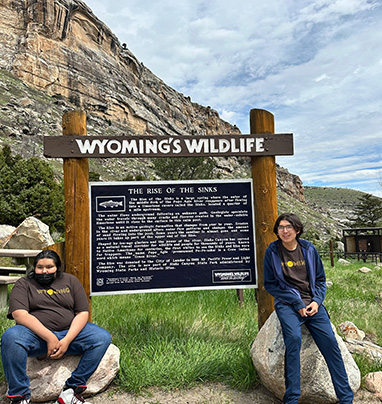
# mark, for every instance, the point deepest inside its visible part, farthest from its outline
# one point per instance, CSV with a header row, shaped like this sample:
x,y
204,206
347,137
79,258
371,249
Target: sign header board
x,y
166,146
171,236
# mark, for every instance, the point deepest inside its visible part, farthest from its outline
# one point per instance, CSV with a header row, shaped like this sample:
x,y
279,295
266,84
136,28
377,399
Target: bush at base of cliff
x,y
28,188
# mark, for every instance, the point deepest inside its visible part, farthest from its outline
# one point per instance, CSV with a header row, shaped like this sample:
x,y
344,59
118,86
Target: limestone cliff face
x,y
60,48
63,49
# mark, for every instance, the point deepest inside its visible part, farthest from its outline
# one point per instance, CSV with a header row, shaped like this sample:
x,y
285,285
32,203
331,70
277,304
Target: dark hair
x,y
293,219
50,254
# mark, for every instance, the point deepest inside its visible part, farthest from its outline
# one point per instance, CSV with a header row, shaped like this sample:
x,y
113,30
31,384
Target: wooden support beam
x,y
265,206
76,180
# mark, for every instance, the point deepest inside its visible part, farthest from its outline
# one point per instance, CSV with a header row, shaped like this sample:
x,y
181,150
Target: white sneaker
x,y
70,396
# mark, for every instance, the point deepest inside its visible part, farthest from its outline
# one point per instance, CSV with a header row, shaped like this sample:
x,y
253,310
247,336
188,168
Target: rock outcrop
x,y
289,183
67,58
63,49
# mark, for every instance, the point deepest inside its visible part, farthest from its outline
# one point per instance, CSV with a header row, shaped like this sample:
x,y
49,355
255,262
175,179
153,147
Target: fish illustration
x,y
111,204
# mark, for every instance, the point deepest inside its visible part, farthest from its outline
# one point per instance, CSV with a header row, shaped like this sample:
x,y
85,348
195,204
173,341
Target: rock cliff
x,y
67,58
63,49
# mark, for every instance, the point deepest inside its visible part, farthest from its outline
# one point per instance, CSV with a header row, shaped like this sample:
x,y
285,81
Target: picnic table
x,y
22,257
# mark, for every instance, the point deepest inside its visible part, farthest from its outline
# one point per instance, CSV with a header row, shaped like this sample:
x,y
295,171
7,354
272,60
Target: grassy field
x,y
179,339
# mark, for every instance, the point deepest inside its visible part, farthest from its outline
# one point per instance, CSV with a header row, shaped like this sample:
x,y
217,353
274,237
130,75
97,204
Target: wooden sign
x,y
166,146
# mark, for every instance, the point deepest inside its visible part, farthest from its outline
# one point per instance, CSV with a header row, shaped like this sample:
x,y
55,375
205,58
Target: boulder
x,y
364,270
350,330
343,261
47,376
31,234
267,354
339,246
373,382
366,348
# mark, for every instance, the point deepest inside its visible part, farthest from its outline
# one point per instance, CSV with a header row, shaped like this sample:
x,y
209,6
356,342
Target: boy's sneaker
x,y
19,399
70,396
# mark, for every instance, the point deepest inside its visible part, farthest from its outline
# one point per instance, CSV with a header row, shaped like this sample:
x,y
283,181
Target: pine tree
x,y
28,188
367,212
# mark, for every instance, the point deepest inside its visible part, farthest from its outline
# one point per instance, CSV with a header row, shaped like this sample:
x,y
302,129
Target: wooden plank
x,y
12,270
16,253
6,280
72,146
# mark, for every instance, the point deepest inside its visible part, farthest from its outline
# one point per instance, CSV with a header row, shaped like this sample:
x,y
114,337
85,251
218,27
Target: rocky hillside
x,y
61,48
56,55
337,203
64,57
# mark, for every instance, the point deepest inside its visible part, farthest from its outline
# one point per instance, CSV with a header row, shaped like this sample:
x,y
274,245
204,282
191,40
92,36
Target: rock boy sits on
x,y
295,277
51,311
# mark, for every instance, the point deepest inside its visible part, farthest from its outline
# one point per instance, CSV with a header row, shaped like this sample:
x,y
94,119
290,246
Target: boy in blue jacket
x,y
295,277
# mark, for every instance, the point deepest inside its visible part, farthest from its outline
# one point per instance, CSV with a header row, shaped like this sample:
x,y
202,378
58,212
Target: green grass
x,y
354,297
179,339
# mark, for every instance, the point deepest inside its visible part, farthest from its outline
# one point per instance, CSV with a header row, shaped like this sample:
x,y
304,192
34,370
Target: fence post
x,y
76,182
331,253
265,204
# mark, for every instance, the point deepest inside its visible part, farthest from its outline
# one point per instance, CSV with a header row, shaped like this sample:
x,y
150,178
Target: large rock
x,y
267,353
31,234
48,376
365,348
5,232
373,382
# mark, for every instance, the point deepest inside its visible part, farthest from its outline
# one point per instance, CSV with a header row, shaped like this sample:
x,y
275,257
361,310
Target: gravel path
x,y
204,394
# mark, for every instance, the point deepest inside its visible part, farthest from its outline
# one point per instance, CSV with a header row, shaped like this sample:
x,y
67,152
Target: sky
x,y
315,65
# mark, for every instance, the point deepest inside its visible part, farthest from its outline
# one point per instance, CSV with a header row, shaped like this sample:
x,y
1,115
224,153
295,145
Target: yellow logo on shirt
x,y
51,292
291,263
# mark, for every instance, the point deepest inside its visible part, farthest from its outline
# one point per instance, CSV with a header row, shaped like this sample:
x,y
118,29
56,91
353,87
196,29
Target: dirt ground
x,y
212,393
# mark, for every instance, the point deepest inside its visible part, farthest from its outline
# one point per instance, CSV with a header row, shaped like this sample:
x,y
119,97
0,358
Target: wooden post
x,y
59,248
331,253
265,204
76,181
240,296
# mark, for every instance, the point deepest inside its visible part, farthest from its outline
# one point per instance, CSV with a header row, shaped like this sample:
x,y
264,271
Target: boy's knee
x,y
293,341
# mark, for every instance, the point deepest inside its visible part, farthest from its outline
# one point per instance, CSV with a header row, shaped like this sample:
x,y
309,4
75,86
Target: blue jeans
x,y
19,342
320,329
